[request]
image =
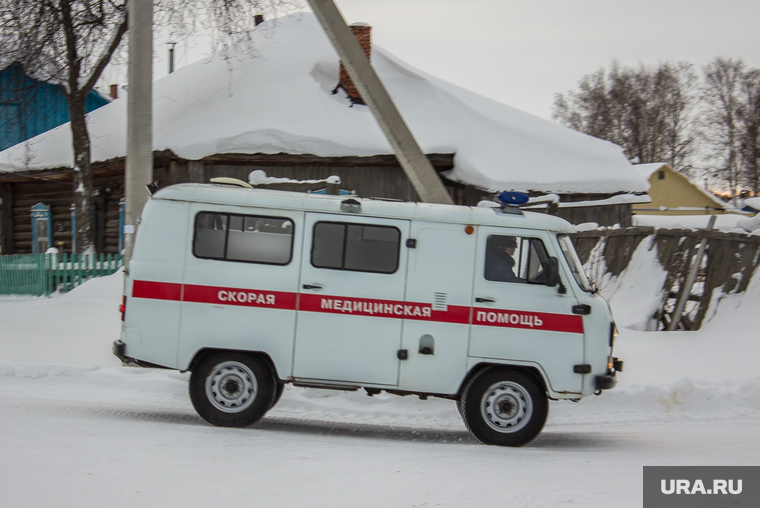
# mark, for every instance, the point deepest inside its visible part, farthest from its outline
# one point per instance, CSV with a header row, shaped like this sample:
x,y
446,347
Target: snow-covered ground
x,y
77,429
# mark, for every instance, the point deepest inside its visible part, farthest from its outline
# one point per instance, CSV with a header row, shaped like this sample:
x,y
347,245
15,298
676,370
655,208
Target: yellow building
x,y
673,194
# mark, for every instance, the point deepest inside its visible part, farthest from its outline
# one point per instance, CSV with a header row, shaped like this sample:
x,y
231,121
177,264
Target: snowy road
x,y
79,430
123,437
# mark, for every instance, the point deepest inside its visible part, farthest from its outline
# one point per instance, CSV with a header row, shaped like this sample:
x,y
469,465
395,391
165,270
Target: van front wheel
x,y
231,389
504,407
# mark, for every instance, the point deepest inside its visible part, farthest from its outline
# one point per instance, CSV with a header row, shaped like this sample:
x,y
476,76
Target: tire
x,y
460,408
231,389
504,407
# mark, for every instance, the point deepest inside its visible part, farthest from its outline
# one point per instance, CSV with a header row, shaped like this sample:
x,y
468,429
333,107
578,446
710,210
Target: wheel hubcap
x,y
506,407
231,387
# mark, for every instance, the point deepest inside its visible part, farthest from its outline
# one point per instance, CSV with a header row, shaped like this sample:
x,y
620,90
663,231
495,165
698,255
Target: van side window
x,y
355,247
210,235
248,238
515,259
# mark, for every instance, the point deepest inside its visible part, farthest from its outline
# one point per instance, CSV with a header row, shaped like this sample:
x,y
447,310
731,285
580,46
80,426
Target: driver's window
x,y
515,259
535,261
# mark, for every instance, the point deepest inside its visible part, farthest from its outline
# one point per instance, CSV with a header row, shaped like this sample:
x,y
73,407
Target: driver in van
x,y
500,261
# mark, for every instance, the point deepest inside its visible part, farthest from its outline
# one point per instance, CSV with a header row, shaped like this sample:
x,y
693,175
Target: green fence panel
x,y
66,272
78,269
43,274
82,269
21,274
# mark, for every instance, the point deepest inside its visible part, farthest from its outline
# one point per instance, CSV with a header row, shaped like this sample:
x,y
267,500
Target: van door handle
x,y
316,287
484,300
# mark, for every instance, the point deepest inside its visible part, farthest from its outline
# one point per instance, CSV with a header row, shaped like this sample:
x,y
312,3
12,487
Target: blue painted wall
x,y
29,107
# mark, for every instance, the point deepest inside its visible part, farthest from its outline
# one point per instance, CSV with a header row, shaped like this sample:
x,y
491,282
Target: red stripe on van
x,y
358,306
527,320
156,290
240,297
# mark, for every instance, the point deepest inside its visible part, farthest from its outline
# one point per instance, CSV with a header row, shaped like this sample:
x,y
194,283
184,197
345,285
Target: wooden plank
x,y
196,172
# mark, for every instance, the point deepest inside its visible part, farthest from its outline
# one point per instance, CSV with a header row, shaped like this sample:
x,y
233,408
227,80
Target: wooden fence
x,y
731,260
43,274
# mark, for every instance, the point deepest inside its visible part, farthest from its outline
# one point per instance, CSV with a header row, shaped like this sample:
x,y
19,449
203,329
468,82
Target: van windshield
x,y
575,263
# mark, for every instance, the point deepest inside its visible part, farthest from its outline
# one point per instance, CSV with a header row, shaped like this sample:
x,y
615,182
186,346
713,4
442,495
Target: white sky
x,y
522,53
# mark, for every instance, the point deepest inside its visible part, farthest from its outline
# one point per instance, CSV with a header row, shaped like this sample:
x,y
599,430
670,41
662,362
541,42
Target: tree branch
x,y
108,51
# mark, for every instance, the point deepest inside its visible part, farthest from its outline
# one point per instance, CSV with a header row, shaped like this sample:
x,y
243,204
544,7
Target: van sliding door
x,y
351,302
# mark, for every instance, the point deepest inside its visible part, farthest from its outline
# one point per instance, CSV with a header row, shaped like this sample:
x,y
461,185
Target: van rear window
x,y
247,238
355,247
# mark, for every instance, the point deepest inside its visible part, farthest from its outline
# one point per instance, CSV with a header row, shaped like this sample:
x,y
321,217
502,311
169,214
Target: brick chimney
x,y
114,92
362,32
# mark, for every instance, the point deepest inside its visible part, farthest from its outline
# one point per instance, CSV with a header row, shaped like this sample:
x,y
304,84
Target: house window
x,y
42,231
661,175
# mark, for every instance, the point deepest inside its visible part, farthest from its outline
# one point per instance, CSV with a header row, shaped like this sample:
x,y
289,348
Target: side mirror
x,y
552,272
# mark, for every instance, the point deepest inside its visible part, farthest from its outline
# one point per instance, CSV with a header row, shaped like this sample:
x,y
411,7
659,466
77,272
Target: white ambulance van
x,y
251,289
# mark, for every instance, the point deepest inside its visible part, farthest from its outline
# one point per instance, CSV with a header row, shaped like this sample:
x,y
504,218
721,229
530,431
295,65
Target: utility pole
x,y
139,166
415,164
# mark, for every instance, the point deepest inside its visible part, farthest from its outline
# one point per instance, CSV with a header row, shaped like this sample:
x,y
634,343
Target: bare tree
x,y
722,102
680,133
590,108
748,117
70,42
228,24
648,111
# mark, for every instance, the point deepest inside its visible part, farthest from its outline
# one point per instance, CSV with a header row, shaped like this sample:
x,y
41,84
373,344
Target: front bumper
x,y
609,380
605,382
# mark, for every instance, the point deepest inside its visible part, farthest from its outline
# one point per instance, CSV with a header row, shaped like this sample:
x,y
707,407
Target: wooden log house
x,y
371,176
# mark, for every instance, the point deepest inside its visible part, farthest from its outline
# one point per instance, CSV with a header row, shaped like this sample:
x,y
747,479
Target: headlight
x,y
614,364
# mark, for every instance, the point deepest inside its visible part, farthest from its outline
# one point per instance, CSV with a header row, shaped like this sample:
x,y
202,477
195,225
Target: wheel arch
x,y
531,370
204,352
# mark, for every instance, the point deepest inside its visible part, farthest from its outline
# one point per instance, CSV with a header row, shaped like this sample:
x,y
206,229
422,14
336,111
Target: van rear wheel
x,y
504,407
231,389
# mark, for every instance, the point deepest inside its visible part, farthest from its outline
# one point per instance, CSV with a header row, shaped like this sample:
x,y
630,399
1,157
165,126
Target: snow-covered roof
x,y
282,102
753,202
647,170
